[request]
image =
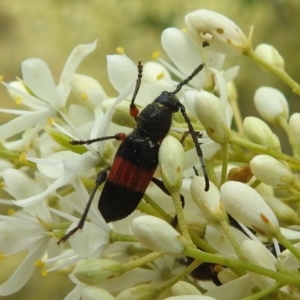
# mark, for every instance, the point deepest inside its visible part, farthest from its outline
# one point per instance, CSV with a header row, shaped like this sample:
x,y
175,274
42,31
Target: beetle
x,y
137,157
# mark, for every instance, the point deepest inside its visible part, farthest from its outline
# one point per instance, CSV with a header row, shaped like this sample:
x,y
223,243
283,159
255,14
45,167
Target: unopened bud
x,y
270,55
217,32
271,104
211,113
282,211
208,202
272,172
170,157
158,235
96,271
258,254
95,293
294,124
190,297
137,292
245,205
184,288
259,132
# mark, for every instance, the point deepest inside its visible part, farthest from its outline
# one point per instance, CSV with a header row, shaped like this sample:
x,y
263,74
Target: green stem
x,y
240,264
119,237
265,292
225,157
287,244
265,150
141,261
229,235
177,278
180,216
274,70
292,140
155,206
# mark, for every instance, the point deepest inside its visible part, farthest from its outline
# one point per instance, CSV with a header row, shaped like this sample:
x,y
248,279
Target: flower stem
x,y
179,213
265,292
263,149
274,70
240,264
225,157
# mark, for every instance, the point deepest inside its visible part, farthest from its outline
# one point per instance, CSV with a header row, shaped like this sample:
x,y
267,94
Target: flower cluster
x,y
237,240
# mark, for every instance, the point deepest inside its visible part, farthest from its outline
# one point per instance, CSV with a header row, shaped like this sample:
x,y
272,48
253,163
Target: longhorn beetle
x,y
137,157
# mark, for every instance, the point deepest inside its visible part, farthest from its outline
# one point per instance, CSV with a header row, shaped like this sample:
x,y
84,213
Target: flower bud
x,y
190,297
246,206
272,172
294,124
137,292
96,271
208,202
157,235
282,211
271,104
258,254
270,55
259,132
217,32
184,288
211,113
95,293
170,157
87,88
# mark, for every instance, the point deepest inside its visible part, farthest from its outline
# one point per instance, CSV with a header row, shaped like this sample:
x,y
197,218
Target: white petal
x,y
37,198
18,184
182,51
24,271
74,60
121,71
218,240
233,290
38,78
24,122
91,241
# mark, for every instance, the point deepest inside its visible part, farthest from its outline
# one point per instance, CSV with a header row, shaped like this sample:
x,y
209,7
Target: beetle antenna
x,y
188,79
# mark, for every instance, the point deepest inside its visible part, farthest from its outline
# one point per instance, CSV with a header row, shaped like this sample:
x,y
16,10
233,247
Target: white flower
x,y
23,231
217,32
47,99
87,88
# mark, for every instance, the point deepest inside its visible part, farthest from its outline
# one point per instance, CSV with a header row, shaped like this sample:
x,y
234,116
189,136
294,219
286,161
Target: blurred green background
x,y
50,29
